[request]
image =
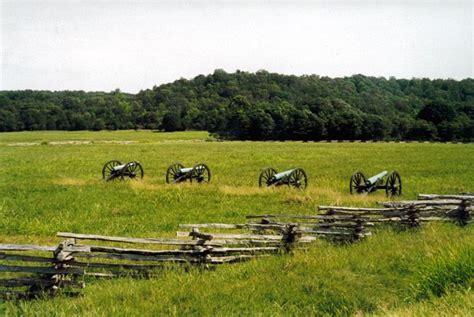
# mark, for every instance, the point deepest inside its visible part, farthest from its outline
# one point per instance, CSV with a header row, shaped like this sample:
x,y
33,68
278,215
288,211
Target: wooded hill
x,y
260,106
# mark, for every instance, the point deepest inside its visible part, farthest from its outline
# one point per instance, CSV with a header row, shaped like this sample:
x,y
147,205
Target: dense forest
x,y
260,106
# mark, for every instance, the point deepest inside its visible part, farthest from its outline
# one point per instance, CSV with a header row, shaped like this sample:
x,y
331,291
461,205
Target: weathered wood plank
x,y
332,212
234,258
41,270
434,213
26,258
327,232
281,216
306,239
445,197
247,242
231,235
348,225
139,257
315,218
134,240
392,219
214,225
445,202
233,226
435,219
30,247
399,213
243,250
331,229
115,266
26,247
381,212
94,248
341,208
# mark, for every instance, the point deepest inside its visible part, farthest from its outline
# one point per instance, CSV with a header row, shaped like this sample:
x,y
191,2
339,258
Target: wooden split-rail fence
x,y
345,228
411,213
30,270
433,207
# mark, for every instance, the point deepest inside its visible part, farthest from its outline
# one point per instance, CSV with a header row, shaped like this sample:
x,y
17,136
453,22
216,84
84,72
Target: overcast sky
x,y
133,45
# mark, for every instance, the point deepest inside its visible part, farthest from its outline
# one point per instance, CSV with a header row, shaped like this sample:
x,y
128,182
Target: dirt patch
x,y
298,199
66,143
115,142
70,142
24,144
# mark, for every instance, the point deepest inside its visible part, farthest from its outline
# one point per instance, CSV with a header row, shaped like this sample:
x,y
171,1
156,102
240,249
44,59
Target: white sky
x,y
133,45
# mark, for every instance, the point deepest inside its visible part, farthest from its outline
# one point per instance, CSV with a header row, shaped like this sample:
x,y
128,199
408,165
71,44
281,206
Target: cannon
x,y
113,170
360,185
295,177
177,173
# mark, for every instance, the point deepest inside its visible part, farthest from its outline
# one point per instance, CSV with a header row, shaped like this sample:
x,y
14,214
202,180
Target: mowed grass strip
x,y
48,188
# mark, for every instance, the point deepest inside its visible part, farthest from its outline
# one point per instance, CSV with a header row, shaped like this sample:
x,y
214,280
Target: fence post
x,y
464,215
412,217
359,228
61,257
291,235
204,251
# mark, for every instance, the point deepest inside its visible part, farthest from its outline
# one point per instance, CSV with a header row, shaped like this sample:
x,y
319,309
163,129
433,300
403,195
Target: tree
x,y
261,106
422,130
171,122
437,112
261,125
374,128
7,120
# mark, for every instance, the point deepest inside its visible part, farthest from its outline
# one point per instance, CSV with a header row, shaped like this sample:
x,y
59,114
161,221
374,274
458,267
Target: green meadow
x,y
51,181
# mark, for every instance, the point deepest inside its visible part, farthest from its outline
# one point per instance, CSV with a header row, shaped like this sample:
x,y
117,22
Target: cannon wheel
x,y
393,186
357,183
108,168
201,173
133,170
265,176
298,179
172,172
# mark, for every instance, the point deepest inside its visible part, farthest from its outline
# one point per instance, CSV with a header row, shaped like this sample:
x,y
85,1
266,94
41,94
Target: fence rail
x,y
428,207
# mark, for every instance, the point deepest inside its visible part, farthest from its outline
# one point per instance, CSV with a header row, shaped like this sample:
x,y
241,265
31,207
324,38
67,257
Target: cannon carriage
x,y
114,169
177,173
360,185
295,177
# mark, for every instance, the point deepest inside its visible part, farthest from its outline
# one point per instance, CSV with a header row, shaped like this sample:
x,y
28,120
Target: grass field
x,y
49,183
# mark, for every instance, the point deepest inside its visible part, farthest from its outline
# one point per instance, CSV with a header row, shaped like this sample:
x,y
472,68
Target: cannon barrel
x,y
185,170
119,167
282,174
376,178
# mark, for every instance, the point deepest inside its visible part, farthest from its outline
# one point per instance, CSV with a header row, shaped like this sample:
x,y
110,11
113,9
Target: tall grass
x,y
57,187
453,269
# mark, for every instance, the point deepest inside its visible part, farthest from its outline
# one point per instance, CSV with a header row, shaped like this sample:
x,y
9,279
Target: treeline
x,y
260,106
